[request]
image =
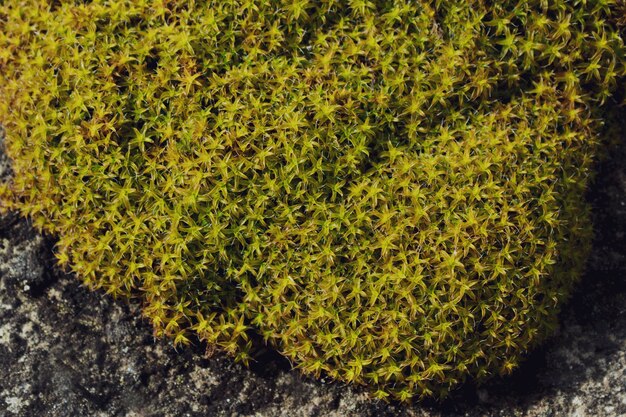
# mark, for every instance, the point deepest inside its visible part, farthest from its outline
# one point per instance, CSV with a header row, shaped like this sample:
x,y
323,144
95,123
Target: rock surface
x,y
65,351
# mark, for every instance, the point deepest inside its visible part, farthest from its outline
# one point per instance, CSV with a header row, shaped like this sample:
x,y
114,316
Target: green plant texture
x,y
388,192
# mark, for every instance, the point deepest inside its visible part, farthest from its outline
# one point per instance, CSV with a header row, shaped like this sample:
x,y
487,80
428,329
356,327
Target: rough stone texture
x,y
65,351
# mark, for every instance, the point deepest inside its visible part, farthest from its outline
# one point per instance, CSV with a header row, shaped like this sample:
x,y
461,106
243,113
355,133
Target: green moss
x,y
389,192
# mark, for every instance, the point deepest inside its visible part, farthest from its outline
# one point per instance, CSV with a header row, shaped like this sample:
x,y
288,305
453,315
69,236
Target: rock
x,y
65,351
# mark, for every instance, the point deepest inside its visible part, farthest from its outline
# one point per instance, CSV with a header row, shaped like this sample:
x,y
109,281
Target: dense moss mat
x,y
389,192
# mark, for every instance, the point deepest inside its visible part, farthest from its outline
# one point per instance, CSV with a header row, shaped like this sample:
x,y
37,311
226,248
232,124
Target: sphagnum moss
x,y
389,192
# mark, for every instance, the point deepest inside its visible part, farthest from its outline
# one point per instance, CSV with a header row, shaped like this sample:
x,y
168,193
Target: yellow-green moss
x,y
387,191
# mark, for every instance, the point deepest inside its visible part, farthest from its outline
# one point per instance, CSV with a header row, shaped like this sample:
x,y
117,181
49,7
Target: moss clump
x,y
388,191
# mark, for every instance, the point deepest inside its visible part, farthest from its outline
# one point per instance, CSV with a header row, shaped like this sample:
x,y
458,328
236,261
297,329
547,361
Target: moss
x,y
388,192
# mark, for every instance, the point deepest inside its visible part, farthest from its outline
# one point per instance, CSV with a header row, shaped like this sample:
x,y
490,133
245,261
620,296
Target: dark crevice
x,y
152,60
267,362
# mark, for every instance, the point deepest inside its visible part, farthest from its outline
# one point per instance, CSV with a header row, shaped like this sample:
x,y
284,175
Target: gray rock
x,y
65,351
